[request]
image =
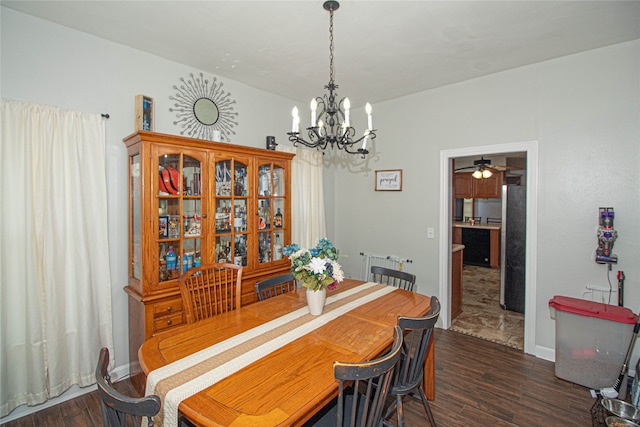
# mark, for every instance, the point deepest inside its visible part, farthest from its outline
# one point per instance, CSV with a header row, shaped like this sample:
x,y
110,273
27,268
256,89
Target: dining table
x,y
270,363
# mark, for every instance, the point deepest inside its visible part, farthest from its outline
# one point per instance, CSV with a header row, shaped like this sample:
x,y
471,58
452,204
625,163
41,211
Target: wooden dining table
x,y
290,384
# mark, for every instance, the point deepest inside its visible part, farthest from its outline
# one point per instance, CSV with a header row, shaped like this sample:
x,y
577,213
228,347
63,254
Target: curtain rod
x,y
105,115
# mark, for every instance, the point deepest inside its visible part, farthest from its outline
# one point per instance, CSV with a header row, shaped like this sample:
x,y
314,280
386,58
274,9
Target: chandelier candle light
x,y
330,124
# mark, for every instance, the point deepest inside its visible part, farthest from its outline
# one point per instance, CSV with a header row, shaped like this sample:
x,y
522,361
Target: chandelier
x,y
330,123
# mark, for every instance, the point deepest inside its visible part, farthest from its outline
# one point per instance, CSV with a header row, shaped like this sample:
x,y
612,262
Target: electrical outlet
x,y
430,233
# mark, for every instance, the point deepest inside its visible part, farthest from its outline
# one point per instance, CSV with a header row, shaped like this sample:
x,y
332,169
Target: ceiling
x,y
383,49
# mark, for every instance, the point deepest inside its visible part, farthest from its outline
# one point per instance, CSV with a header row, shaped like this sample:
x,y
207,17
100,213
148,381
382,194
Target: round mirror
x,y
206,111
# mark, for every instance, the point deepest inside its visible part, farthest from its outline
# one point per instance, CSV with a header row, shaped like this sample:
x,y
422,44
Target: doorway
x,y
446,216
485,311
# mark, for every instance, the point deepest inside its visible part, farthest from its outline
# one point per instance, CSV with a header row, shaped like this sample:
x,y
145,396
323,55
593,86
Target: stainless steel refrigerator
x,y
513,245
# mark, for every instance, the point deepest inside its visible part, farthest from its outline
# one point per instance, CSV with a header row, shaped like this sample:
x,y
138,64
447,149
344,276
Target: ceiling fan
x,y
483,168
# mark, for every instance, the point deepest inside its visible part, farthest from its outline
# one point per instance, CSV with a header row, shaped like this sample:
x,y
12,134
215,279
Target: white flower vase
x,y
315,301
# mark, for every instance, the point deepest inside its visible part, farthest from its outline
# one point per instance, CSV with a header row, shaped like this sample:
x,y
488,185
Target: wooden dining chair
x,y
395,278
362,390
119,410
275,285
409,374
210,290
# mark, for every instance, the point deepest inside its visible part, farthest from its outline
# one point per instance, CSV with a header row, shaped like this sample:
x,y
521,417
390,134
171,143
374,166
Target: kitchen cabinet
x,y
194,202
457,252
463,185
456,235
466,186
488,188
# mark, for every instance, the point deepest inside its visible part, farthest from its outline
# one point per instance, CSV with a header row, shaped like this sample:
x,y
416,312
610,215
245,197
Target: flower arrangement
x,y
317,268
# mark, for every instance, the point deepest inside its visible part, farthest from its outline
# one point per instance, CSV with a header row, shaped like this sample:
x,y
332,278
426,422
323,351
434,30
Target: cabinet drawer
x,y
168,306
161,323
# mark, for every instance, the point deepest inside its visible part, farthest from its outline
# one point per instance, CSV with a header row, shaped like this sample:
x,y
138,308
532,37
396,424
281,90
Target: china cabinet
x,y
194,202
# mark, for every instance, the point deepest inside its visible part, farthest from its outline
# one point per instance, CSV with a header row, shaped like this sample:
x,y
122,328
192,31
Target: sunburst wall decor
x,y
202,108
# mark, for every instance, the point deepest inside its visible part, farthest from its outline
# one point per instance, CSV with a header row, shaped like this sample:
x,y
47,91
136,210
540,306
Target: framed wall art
x,y
203,109
144,113
389,180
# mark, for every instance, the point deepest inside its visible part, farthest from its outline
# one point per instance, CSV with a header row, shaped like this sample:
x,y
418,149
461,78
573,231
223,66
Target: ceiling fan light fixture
x,y
486,173
477,174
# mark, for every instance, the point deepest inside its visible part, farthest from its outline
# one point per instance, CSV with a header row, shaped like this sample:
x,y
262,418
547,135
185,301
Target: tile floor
x,y
482,316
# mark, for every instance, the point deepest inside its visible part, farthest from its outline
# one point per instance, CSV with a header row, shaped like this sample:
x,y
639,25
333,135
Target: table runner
x,y
185,377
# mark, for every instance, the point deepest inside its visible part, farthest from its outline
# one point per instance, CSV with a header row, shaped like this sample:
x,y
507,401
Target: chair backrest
x,y
418,334
371,384
210,290
119,410
395,278
275,285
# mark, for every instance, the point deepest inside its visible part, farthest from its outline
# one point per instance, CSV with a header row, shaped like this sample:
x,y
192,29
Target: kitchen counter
x,y
482,226
456,247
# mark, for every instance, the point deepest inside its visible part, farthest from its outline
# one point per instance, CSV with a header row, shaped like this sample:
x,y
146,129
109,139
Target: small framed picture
x,y
389,180
144,113
163,224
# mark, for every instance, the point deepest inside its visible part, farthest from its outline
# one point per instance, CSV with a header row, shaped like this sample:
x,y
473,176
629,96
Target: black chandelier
x,y
330,123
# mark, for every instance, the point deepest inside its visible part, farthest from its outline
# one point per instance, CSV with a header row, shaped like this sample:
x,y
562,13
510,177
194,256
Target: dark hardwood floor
x,y
478,383
481,383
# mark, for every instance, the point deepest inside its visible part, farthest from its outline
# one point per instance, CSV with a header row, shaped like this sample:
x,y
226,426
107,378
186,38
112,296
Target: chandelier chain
x,y
331,69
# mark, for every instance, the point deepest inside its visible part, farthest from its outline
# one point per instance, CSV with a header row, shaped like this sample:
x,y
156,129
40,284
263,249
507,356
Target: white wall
x,y
49,64
584,112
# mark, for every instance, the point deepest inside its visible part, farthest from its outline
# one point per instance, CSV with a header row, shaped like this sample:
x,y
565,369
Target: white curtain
x,y
55,290
307,197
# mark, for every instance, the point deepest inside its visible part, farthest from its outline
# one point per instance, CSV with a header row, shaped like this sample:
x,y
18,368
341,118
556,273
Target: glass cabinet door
x,y
271,212
232,211
136,220
180,208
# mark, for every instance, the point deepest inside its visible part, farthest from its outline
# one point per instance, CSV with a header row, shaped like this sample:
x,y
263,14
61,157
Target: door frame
x,y
446,181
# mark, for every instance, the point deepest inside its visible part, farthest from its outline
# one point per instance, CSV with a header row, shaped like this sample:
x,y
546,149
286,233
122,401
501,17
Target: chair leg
x,y
387,415
400,410
427,408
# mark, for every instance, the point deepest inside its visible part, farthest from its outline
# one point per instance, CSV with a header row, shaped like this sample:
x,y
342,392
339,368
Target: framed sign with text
x,y
389,180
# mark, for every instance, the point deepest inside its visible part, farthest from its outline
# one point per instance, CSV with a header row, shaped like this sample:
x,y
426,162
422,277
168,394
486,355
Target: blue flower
x,y
289,249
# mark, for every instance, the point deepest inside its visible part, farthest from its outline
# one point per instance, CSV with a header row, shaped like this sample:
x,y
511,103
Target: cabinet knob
x,y
169,322
169,308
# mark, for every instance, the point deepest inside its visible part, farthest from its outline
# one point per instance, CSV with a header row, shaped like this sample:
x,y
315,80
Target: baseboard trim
x,y
545,353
